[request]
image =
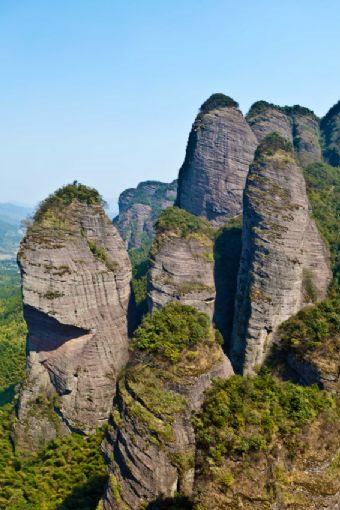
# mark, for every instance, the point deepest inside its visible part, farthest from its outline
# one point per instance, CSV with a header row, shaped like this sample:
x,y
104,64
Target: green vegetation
x,y
169,331
216,101
180,222
65,196
244,414
272,143
310,328
12,342
330,130
67,473
261,107
323,187
100,254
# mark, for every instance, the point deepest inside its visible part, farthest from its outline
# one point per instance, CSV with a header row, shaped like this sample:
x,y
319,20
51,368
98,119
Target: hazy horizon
x,y
105,92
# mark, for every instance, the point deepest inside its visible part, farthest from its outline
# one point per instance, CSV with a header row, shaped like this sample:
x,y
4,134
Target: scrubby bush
x,y
182,223
216,101
242,414
65,196
167,332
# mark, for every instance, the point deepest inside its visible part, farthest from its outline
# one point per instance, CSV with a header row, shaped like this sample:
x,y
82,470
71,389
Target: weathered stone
x,y
139,208
150,445
76,289
297,124
220,148
182,262
284,264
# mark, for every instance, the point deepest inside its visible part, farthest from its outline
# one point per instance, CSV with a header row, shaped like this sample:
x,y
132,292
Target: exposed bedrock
x,y
284,263
220,148
76,290
182,262
150,445
139,208
295,123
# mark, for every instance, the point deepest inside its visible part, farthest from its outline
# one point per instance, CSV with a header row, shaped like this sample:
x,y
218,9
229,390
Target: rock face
x,y
182,263
220,148
139,208
330,131
150,446
297,124
76,289
284,264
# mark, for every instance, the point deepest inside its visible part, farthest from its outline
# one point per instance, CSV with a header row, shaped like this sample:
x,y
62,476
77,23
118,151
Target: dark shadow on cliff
x,y
179,503
86,496
227,253
46,333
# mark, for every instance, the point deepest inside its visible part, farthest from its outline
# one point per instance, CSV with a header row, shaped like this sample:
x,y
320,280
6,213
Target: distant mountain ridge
x,y
11,216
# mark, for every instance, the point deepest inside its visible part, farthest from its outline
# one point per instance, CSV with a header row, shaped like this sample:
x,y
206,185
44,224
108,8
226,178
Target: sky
x,y
105,91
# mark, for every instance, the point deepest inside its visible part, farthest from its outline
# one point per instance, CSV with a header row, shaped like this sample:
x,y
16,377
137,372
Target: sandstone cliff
x,y
139,208
330,130
284,264
76,288
220,148
182,262
150,446
297,124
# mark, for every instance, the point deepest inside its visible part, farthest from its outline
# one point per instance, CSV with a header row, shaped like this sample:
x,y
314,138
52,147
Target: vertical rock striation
x,y
220,148
139,208
284,264
182,262
150,445
76,288
330,131
297,124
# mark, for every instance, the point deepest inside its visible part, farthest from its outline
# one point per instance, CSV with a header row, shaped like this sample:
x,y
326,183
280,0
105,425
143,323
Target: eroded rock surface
x,y
220,148
182,263
76,289
150,446
297,124
284,264
139,208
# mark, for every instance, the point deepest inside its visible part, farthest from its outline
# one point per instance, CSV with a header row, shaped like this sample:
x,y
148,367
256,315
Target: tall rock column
x,y
330,131
284,264
182,262
220,148
297,124
76,288
150,444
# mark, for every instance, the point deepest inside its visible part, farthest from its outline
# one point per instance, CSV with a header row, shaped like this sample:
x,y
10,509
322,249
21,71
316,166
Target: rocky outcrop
x,y
284,263
139,208
297,124
220,148
150,445
76,289
330,131
276,449
182,262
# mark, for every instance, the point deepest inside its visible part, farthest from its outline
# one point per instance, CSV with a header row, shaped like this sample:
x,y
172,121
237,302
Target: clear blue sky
x,y
105,91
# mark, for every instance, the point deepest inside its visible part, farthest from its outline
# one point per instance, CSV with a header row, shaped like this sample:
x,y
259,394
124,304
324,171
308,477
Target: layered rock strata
x,y
284,263
150,445
139,208
297,124
182,263
220,148
76,289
